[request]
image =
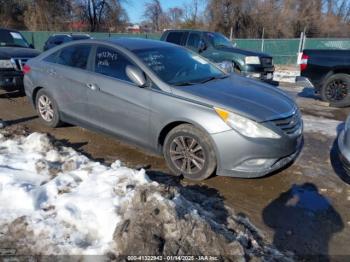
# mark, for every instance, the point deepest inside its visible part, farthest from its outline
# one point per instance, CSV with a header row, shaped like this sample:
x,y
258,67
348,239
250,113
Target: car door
x,y
116,104
70,77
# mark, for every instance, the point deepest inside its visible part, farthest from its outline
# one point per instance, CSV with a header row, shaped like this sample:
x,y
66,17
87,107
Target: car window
x,y
193,41
164,62
110,62
52,58
12,38
74,56
175,37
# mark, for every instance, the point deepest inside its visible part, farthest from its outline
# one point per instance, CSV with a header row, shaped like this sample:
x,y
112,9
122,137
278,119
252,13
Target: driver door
x,y
115,103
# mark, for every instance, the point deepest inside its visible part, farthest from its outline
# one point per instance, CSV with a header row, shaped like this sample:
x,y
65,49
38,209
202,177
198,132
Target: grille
x,y
18,63
266,61
290,125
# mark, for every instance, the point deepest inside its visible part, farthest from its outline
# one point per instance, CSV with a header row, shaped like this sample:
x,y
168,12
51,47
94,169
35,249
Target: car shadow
x,y
334,156
303,222
19,120
12,94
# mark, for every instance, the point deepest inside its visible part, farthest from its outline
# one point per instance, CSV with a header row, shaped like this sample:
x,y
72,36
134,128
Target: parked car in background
x,y
220,50
344,145
329,73
58,39
200,118
14,53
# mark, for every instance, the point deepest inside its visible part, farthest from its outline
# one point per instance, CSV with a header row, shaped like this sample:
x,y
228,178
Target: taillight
x,y
303,62
26,69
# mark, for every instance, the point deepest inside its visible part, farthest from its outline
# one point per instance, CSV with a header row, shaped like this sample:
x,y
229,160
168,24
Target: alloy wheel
x,y
45,108
336,90
187,155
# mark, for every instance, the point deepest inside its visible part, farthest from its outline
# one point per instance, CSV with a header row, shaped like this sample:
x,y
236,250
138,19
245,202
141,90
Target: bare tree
x,y
175,16
154,12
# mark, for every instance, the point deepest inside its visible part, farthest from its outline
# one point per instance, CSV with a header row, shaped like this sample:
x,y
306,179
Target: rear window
x,y
74,56
175,37
12,38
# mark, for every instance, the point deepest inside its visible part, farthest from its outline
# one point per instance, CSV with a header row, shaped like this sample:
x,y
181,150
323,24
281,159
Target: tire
x,y
336,90
199,156
50,119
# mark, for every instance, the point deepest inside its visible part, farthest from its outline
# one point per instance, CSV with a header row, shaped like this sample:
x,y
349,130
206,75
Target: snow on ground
x,y
54,200
325,126
287,76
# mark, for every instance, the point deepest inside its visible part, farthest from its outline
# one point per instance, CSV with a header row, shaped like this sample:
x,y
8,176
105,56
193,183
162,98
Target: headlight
x,y
246,126
6,64
226,66
252,60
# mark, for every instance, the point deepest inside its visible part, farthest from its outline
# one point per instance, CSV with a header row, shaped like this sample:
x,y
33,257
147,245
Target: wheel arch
x,y
35,93
335,71
171,125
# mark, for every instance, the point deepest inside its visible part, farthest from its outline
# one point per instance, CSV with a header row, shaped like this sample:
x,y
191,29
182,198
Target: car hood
x,y
242,51
10,52
250,98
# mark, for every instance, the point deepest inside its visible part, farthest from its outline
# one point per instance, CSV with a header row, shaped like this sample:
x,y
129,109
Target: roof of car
x,y
139,43
8,29
186,30
71,35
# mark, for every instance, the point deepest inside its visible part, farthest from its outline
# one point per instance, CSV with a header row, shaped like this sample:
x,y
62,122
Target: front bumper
x,y
259,72
11,80
235,152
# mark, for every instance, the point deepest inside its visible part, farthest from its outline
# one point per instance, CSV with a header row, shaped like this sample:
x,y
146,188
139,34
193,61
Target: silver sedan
x,y
168,100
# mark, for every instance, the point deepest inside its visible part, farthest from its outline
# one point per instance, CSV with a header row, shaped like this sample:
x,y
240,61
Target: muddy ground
x,y
303,208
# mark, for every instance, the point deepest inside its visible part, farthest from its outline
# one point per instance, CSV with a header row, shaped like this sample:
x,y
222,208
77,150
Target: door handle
x,y
92,87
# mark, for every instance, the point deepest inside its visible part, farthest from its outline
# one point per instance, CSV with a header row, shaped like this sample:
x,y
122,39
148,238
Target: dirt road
x,y
304,208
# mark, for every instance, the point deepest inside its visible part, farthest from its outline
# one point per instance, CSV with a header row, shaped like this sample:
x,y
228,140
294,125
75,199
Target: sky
x,y
135,8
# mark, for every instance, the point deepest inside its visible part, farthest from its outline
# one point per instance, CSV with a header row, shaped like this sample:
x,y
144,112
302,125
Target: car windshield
x,y
14,39
218,40
178,66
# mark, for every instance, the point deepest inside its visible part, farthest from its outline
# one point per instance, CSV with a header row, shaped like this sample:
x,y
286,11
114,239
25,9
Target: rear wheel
x,y
336,90
189,152
47,109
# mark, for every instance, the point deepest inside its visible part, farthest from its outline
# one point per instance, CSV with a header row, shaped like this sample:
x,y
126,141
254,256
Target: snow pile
x,y
54,200
288,76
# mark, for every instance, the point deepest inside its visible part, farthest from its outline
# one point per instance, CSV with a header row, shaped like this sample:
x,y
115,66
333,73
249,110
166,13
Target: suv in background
x,y
220,50
14,53
59,39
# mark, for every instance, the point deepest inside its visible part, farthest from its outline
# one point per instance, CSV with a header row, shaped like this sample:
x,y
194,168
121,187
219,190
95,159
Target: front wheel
x,y
336,90
189,152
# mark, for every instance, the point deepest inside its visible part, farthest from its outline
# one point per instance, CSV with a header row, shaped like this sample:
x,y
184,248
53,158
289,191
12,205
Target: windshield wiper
x,y
184,84
213,78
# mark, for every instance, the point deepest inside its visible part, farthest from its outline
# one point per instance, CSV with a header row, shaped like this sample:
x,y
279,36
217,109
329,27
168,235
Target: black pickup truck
x,y
14,52
329,73
220,50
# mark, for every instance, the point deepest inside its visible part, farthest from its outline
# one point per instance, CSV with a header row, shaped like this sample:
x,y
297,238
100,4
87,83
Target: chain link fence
x,y
284,51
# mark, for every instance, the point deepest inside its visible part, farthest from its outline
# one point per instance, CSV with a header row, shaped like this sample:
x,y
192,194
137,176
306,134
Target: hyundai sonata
x,y
169,100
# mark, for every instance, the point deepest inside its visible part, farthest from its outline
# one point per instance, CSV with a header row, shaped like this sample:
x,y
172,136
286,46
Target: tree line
x,y
241,18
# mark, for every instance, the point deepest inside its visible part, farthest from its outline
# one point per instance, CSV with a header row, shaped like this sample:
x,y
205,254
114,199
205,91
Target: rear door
x,y
70,76
116,104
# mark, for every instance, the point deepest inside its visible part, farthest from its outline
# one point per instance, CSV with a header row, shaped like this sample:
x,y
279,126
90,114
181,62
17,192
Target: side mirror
x,y
135,75
31,46
202,46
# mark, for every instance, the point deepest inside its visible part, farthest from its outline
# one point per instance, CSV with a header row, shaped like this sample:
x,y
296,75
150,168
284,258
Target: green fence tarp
x,y
284,51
